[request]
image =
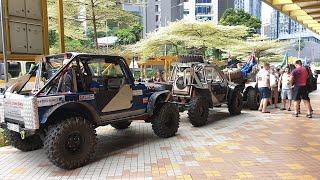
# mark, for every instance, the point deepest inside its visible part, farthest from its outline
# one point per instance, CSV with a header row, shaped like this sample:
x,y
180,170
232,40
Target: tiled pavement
x,y
249,146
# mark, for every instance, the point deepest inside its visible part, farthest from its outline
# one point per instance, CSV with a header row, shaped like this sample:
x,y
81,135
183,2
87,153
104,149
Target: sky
x,y
266,11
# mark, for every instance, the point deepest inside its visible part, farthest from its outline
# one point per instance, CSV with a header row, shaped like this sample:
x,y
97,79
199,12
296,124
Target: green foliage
x,y
125,36
90,33
53,37
93,14
232,17
2,138
129,35
192,37
265,50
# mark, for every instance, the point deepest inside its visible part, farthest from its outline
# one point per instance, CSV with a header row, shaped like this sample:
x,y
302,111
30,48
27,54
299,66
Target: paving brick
x,y
249,146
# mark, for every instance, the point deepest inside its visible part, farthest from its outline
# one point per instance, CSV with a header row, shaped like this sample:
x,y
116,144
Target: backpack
x,y
310,81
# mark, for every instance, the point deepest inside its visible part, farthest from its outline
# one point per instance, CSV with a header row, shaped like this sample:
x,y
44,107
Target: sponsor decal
x,y
137,93
50,101
145,100
86,97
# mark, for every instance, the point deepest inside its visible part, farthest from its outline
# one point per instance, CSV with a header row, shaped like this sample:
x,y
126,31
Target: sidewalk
x,y
250,146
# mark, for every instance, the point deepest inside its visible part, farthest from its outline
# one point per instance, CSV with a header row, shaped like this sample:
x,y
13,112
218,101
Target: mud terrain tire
x,y
253,99
198,111
30,143
166,121
235,103
71,143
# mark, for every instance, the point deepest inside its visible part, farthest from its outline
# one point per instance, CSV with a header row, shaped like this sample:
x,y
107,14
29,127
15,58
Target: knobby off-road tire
x,y
253,99
121,125
71,143
166,120
198,111
235,103
30,143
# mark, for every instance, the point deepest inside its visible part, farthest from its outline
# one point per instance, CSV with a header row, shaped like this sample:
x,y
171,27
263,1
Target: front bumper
x,y
24,131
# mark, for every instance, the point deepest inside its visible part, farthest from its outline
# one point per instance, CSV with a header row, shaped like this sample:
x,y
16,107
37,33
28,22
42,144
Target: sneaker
x,y
282,109
296,114
289,109
309,116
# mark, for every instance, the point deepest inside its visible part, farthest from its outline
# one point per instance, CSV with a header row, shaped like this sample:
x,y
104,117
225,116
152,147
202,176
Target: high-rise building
x,y
252,7
155,13
265,30
206,10
282,27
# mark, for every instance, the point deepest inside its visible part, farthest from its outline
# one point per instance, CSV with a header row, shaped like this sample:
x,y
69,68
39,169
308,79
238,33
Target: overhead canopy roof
x,y
306,12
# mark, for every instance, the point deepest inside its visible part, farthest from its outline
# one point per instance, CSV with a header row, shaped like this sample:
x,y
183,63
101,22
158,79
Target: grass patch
x,y
2,139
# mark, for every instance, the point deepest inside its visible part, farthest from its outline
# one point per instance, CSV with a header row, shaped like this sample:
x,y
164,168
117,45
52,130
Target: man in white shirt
x,y
263,82
286,89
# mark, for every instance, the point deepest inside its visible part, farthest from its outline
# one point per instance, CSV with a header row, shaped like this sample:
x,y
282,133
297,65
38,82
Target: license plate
x,y
13,127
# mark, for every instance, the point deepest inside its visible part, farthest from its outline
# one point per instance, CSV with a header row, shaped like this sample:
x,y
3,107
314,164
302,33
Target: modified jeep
x,y
72,95
198,86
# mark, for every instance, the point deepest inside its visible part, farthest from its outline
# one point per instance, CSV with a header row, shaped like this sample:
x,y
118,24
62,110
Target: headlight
x,y
180,83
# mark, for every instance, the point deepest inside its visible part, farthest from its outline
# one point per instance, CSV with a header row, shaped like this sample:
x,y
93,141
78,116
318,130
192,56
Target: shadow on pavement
x,y
121,142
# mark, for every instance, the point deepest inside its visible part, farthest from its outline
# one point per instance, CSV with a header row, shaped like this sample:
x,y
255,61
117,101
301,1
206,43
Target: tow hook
x,y
23,135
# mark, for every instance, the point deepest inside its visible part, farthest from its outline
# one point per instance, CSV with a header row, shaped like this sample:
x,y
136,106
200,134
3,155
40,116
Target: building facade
x,y
252,7
155,13
206,10
283,27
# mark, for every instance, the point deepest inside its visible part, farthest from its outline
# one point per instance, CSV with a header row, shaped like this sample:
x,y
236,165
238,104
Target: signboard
x,y
26,28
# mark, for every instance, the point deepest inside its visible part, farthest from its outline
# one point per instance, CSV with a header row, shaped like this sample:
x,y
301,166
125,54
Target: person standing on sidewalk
x,y
274,81
286,89
263,82
299,78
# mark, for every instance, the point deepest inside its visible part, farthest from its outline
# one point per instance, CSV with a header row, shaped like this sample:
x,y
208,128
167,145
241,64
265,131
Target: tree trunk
x,y
177,49
95,36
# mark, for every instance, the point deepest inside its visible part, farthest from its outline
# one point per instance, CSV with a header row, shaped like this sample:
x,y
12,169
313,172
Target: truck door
x,y
216,84
110,85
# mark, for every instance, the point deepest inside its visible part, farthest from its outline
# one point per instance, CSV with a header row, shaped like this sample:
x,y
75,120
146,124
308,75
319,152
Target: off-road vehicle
x,y
198,86
73,94
250,92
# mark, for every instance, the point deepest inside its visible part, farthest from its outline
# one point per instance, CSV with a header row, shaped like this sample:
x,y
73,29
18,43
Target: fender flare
x,y
81,107
153,99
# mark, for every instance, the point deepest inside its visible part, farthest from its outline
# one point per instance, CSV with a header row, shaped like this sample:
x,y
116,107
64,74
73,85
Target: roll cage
x,y
70,58
196,74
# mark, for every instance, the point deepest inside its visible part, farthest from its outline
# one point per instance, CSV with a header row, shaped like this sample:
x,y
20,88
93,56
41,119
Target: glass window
x,y
157,8
203,1
212,75
99,68
14,69
203,9
28,66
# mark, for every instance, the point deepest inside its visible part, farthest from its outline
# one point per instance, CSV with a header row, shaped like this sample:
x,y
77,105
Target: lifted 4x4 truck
x,y
74,94
198,86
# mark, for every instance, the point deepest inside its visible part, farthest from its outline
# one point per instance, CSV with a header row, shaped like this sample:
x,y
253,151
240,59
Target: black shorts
x,y
300,92
265,92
